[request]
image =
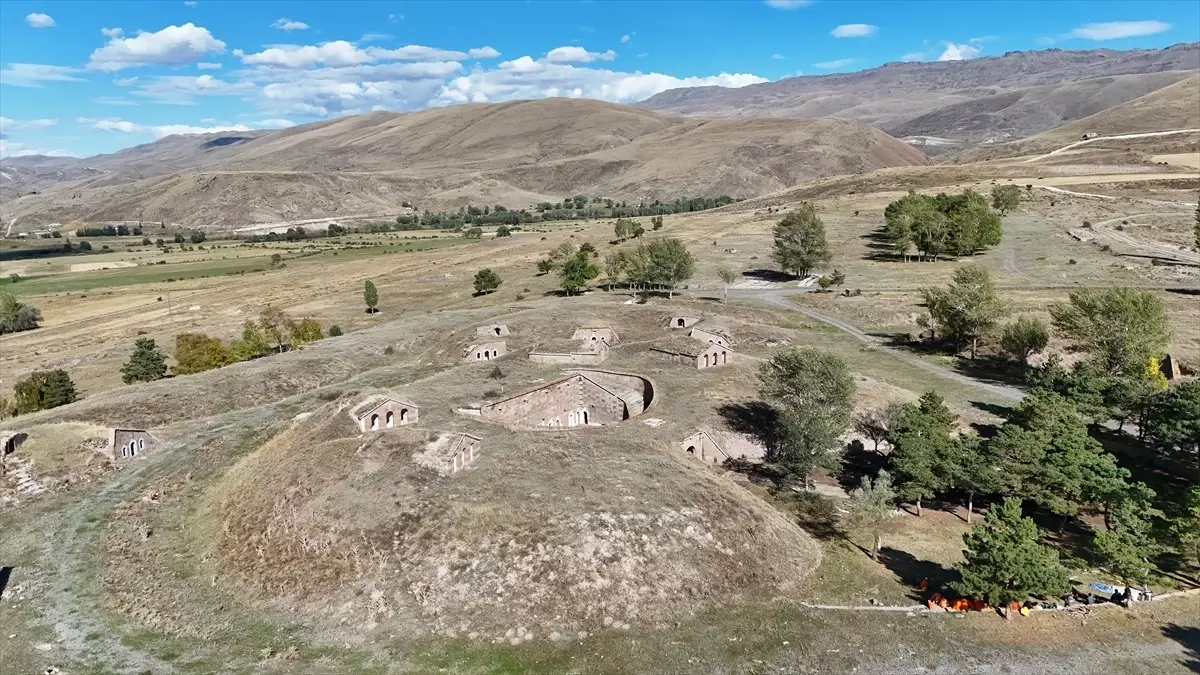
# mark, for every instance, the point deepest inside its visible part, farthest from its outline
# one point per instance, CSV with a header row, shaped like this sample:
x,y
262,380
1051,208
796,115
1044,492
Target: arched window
x,y
390,419
403,415
374,422
691,448
724,357
680,322
141,444
497,330
585,417
706,360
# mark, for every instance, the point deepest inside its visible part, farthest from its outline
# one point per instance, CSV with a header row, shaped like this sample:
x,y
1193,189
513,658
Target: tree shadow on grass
x,y
755,419
5,575
763,274
857,463
1189,638
880,250
912,570
1140,460
992,369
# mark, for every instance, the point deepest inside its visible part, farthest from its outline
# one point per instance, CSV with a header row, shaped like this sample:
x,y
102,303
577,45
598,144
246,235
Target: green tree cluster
x,y
960,225
625,228
869,506
660,263
800,245
17,316
812,394
486,281
1006,198
968,309
1121,328
370,296
43,390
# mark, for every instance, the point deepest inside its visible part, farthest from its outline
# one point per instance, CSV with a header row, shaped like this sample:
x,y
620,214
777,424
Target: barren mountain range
x,y
998,97
704,141
512,153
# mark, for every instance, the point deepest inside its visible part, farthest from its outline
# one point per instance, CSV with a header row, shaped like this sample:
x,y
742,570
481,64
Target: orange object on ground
x,y
1014,606
978,605
924,584
936,600
960,605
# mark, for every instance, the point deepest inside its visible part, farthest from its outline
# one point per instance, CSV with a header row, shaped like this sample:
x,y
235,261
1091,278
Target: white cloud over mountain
x,y
171,46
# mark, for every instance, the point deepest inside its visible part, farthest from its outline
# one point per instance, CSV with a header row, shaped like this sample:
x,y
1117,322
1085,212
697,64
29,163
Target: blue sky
x,y
83,78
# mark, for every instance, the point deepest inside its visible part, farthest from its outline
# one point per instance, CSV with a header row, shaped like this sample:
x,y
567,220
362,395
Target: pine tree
x,y
371,297
921,448
146,364
486,281
1003,561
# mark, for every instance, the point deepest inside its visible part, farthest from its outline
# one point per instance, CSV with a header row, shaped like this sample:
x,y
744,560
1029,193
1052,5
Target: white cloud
x,y
34,74
190,3
9,125
164,130
171,46
115,100
482,53
787,4
854,30
289,25
956,52
834,65
625,38
112,32
274,123
374,37
526,78
913,56
125,81
340,53
1115,30
208,65
395,17
110,125
577,55
39,20
778,57
183,89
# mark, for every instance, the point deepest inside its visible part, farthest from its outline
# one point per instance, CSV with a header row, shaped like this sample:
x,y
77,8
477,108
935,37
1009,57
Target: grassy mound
x,y
549,532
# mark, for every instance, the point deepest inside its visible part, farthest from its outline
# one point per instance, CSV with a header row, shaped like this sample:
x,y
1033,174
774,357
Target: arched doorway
x,y
390,420
374,422
403,415
691,450
497,329
585,417
680,323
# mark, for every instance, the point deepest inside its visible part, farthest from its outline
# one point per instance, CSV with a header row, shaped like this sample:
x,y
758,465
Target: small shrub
x,y
496,374
328,395
389,350
1087,224
492,393
335,330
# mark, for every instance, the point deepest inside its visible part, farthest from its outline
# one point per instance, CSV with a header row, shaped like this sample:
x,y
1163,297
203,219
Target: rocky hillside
x,y
1009,96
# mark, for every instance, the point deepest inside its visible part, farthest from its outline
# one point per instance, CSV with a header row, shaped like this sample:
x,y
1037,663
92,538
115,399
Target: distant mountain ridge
x,y
514,153
995,97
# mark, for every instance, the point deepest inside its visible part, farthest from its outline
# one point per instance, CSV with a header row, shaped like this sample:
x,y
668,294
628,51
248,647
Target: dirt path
x,y
779,298
1146,134
1149,247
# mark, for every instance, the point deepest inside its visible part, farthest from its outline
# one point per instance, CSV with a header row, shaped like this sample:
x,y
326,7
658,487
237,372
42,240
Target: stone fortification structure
x,y
128,443
379,413
486,351
693,353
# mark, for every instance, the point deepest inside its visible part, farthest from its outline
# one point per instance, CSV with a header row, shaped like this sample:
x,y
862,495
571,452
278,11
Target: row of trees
x,y
1124,329
109,231
571,208
960,225
274,331
659,264
40,390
